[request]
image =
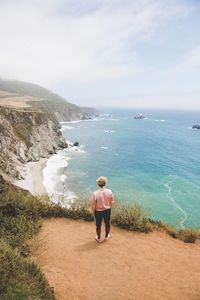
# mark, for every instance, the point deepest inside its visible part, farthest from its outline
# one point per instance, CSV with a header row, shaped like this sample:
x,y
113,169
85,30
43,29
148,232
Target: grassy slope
x,y
36,97
20,278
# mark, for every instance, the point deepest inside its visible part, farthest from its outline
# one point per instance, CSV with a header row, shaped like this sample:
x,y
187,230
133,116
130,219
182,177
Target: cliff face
x,y
29,124
62,110
26,136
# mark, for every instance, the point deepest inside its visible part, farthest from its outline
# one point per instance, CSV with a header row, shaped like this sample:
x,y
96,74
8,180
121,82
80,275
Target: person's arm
x,y
93,203
112,199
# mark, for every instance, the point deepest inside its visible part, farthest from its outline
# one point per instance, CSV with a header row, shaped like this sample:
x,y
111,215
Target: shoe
x,y
107,237
97,239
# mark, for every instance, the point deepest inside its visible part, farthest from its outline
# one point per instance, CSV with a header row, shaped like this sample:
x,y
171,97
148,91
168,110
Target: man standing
x,y
102,201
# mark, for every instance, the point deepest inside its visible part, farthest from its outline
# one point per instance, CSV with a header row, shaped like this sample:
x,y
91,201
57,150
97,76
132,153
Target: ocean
x,y
154,161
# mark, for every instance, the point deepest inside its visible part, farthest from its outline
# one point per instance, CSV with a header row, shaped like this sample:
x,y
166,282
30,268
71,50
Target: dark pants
x,y
99,215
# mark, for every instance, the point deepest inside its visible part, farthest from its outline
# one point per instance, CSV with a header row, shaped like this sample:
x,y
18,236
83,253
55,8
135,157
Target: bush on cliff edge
x,y
20,278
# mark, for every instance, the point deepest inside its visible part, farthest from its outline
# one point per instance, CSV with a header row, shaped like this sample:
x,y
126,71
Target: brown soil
x,y
130,265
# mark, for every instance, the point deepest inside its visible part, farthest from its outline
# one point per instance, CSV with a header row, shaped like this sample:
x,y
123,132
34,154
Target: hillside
x,y
29,124
29,96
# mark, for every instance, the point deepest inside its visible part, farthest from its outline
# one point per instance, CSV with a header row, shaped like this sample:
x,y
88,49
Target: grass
x,y
20,278
187,235
131,217
20,221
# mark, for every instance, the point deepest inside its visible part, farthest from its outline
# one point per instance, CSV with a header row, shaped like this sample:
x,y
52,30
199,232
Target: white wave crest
x,y
160,120
67,127
109,131
77,149
52,177
169,195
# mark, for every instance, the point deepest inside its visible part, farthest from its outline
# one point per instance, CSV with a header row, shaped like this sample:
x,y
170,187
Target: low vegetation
x,y
131,217
187,235
20,215
20,278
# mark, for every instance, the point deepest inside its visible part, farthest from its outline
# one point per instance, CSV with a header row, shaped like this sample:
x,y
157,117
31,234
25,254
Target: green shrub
x,y
16,230
20,278
188,235
131,217
20,214
18,202
77,209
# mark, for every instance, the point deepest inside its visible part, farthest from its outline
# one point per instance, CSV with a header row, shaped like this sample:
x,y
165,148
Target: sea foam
x,y
169,195
54,182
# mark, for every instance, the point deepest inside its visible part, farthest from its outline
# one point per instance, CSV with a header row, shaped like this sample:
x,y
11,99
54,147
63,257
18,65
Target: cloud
x,y
191,61
52,41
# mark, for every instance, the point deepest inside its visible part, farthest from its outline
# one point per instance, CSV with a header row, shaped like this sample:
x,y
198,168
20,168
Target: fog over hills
x,y
29,96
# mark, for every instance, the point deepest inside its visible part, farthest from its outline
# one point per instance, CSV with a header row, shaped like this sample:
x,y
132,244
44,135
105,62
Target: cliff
x,y
26,136
29,124
28,96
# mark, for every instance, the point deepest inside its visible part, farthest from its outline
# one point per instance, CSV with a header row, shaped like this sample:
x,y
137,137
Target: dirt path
x,y
130,266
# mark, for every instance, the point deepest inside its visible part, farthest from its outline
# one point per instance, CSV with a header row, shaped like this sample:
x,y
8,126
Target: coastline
x,y
33,181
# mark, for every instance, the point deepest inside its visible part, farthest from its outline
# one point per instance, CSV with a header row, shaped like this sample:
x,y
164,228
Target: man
x,y
102,201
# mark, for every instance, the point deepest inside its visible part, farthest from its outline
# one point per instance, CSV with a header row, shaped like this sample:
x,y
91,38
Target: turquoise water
x,y
154,161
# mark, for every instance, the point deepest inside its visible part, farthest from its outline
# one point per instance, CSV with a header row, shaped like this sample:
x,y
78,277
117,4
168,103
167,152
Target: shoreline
x,y
33,181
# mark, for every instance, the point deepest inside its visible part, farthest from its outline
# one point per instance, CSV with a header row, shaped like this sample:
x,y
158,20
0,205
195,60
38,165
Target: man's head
x,y
101,181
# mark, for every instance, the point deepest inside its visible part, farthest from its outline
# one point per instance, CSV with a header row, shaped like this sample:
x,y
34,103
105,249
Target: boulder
x,y
76,144
196,126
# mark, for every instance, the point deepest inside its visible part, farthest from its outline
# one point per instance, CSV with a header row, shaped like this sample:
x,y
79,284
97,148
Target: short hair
x,y
101,181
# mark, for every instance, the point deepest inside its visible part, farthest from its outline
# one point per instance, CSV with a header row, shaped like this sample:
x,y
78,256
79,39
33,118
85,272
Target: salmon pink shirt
x,y
102,199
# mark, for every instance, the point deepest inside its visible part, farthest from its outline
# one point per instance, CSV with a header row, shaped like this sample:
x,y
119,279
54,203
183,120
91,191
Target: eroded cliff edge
x,y
26,136
29,124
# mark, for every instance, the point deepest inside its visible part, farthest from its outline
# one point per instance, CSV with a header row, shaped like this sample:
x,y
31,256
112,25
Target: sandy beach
x,y
130,266
34,177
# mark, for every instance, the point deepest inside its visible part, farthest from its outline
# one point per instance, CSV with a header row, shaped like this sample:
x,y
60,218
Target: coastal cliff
x,y
29,124
26,136
29,96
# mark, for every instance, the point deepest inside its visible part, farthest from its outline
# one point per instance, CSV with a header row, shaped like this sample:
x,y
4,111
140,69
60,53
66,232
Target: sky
x,y
122,53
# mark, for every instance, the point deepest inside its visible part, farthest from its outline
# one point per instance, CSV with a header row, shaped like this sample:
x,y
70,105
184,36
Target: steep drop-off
x,y
29,124
26,136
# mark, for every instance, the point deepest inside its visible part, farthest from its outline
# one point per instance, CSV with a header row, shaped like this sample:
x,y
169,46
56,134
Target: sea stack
x,y
139,116
196,126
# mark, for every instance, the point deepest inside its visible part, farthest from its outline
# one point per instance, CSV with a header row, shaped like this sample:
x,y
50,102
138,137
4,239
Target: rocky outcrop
x,y
196,126
26,136
76,144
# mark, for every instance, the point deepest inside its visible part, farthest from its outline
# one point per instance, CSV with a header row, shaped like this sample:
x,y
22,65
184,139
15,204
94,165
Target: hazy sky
x,y
143,53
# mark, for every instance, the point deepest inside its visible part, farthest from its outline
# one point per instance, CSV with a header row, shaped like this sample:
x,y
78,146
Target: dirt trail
x,y
130,266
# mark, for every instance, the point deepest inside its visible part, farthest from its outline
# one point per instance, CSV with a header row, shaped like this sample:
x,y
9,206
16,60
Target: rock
x,y
139,116
20,151
27,136
76,144
196,126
